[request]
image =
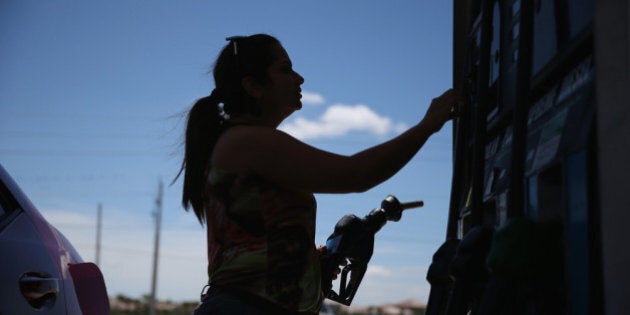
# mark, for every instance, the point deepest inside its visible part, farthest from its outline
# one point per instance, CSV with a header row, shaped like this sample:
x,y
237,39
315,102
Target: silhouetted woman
x,y
253,185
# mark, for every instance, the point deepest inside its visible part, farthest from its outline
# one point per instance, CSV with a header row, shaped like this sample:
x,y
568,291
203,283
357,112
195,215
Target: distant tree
x,y
126,299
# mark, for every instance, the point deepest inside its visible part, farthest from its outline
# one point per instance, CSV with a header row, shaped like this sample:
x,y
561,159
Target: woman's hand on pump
x,y
322,250
442,109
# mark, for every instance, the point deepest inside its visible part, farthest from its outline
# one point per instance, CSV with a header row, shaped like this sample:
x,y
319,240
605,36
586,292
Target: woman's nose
x,y
300,79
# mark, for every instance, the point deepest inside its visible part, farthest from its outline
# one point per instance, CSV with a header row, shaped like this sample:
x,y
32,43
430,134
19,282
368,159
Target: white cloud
x,y
340,119
377,271
312,98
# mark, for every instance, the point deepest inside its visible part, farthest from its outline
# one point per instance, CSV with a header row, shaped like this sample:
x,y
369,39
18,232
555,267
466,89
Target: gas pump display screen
x,y
559,121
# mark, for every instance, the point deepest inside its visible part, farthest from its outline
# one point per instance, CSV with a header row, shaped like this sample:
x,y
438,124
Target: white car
x,y
40,271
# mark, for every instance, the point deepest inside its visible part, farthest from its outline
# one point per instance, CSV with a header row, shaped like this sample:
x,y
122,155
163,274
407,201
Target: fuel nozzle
x,y
353,239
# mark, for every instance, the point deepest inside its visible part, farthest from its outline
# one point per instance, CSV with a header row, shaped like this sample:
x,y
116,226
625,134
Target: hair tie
x,y
216,98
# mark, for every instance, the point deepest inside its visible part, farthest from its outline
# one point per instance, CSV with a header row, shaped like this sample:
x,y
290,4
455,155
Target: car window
x,y
8,207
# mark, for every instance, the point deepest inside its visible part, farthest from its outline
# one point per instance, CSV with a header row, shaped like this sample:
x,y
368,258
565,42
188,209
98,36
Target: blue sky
x,y
92,96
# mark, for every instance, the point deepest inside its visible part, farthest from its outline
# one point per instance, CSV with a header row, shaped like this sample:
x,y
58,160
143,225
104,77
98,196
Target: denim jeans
x,y
221,301
225,304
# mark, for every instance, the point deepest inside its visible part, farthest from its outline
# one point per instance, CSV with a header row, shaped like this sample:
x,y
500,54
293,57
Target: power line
x,y
77,116
38,153
78,135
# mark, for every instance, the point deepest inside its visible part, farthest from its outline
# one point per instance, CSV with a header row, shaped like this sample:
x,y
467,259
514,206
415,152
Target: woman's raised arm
x,y
288,162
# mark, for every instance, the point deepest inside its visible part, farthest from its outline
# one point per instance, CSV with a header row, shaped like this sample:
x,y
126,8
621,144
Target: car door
x,y
30,282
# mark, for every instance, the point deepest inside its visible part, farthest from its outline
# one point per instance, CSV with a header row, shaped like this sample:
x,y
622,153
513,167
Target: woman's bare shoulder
x,y
250,135
238,145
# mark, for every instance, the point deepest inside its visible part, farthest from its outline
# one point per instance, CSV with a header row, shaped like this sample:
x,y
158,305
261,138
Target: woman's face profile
x,y
282,92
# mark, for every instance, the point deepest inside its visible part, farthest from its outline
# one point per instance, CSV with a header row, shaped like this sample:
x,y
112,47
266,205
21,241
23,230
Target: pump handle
x,y
412,204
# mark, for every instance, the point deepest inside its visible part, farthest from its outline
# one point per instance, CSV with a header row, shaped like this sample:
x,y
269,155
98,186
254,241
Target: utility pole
x,y
99,226
158,221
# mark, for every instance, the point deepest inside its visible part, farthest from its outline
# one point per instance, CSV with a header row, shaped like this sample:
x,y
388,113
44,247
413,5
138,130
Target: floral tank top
x,y
261,240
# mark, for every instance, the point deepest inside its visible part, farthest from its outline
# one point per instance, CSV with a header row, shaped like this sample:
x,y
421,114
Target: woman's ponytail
x,y
205,120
